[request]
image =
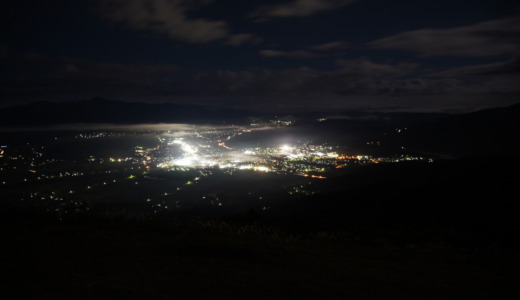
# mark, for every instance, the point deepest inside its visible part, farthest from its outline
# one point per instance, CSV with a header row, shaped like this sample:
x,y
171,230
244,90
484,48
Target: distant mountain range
x,y
99,110
486,132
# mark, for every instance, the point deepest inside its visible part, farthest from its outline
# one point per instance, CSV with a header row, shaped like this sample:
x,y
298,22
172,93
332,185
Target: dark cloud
x,y
241,38
297,8
41,77
34,64
508,68
71,53
491,38
358,81
352,77
290,54
77,67
401,87
307,88
65,76
354,81
4,52
364,67
338,45
327,49
170,18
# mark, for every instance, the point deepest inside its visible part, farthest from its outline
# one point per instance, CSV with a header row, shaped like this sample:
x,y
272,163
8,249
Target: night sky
x,y
291,55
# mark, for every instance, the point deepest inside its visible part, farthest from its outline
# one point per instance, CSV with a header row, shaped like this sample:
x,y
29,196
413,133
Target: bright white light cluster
x,y
202,155
286,149
209,149
190,157
186,147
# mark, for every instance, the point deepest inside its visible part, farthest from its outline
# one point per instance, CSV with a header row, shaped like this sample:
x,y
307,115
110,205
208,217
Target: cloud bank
x,y
297,8
490,38
170,18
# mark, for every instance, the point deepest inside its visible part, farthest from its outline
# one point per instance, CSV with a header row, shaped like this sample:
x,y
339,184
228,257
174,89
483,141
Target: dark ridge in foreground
x,y
444,230
108,257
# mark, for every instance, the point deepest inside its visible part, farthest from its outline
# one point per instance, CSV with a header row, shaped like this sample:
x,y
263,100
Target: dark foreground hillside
x,y
464,203
119,258
444,230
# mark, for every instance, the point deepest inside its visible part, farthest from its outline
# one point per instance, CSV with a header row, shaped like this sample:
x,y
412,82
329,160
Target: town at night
x,y
174,167
261,149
